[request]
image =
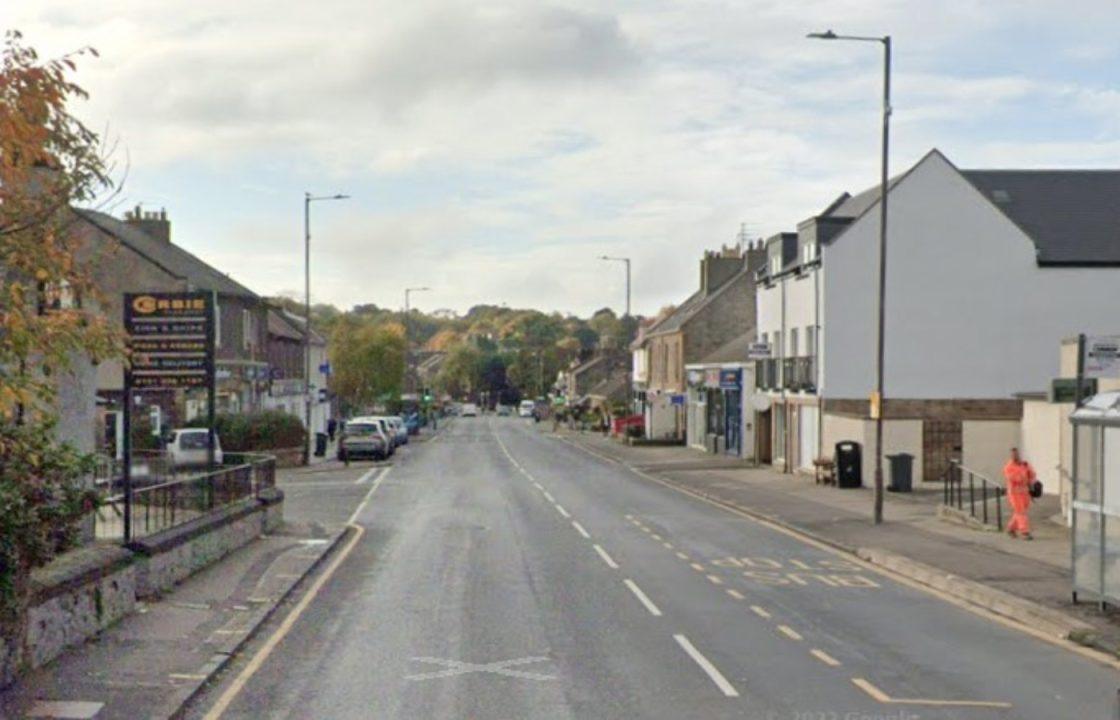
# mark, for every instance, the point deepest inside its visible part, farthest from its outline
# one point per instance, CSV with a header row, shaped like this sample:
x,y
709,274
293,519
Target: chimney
x,y
719,266
154,224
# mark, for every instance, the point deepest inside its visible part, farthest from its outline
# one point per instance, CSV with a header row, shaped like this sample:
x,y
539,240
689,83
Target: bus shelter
x,y
1096,499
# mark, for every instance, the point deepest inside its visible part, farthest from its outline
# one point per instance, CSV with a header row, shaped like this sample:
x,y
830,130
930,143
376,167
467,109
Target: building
x,y
987,271
720,418
721,310
601,381
287,390
136,255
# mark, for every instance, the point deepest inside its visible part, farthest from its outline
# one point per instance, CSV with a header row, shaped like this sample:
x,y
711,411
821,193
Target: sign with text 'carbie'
x,y
170,340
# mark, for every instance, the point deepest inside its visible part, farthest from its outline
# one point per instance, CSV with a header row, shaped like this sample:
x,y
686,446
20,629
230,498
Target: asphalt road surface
x,y
503,573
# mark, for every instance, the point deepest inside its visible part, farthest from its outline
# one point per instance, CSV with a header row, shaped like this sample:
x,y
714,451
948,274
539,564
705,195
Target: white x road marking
x,y
455,667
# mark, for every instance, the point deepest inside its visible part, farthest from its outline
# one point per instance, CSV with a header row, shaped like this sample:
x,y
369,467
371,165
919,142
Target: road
x,y
503,573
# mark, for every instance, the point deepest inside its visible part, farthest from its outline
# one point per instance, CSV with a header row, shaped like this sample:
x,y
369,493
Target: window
x,y
778,348
808,252
810,341
248,329
775,265
793,342
57,296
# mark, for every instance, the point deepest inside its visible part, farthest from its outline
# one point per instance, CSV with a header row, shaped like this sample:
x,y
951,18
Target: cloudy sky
x,y
495,149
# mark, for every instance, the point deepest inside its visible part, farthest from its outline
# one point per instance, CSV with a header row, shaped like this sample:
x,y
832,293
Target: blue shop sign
x,y
730,379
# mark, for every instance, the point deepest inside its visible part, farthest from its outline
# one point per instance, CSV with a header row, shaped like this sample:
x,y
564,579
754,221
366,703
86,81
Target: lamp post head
x,y
826,35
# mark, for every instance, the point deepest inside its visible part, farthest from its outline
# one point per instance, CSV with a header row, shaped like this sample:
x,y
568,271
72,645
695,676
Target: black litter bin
x,y
902,472
320,444
849,465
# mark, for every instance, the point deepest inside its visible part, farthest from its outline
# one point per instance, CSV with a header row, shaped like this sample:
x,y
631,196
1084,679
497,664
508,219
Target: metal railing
x,y
799,373
766,374
966,488
173,500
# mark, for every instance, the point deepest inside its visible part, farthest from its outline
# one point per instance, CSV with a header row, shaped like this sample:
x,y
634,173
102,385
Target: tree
x,y
49,319
460,374
367,361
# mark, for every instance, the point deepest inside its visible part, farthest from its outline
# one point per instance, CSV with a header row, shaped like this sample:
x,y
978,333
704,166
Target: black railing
x,y
168,503
967,488
800,373
766,374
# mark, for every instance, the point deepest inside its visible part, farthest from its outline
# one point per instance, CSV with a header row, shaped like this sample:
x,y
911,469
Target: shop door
x,y
733,424
764,441
807,436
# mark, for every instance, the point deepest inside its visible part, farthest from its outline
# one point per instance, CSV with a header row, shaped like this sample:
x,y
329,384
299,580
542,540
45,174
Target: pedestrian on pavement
x,y
1019,475
332,428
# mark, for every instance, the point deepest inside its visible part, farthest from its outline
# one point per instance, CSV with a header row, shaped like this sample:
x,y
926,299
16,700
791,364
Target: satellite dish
x,y
760,402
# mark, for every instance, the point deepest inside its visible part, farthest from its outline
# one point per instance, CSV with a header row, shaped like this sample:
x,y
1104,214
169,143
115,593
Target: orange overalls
x,y
1019,476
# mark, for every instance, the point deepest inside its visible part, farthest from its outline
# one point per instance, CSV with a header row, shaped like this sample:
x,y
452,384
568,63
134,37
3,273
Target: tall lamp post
x,y
877,401
627,261
408,335
308,198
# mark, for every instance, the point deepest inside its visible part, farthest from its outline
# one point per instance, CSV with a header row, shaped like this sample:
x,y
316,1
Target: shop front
x,y
716,421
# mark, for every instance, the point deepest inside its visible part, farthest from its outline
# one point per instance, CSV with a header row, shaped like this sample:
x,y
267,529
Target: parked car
x,y
400,429
468,410
504,411
363,437
188,447
526,408
412,423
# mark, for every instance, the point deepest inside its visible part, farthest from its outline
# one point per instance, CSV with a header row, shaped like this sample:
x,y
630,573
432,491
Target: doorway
x,y
763,438
941,442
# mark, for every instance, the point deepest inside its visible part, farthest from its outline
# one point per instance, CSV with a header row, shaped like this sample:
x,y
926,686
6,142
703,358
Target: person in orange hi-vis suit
x,y
1019,475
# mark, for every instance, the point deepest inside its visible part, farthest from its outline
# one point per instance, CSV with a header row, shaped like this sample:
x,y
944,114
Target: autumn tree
x,y
49,319
367,361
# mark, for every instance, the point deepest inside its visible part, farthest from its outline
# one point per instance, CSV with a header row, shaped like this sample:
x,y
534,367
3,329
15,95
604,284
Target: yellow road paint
x,y
667,546
682,556
716,580
655,536
759,611
882,697
874,692
736,594
824,657
698,567
790,632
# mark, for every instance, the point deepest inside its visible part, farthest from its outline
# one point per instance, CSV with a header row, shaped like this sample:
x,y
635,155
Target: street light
x,y
627,261
877,400
308,198
407,335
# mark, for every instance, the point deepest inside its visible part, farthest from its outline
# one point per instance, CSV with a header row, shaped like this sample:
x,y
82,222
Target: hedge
x,y
259,431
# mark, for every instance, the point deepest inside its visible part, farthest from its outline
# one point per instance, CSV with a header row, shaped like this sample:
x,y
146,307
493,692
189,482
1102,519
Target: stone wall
x,y
84,591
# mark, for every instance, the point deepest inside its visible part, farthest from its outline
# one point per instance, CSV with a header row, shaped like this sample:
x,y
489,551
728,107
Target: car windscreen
x,y
192,441
360,429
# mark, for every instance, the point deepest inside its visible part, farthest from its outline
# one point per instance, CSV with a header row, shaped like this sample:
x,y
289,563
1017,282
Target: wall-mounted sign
x,y
170,338
678,399
1102,356
695,377
730,379
758,351
711,377
285,387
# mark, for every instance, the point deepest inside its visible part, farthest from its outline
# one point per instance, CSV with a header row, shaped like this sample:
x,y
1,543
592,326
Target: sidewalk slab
x,y
155,660
1028,582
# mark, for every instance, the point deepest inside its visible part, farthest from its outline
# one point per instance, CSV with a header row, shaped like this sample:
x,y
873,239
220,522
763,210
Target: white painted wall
x,y
1040,441
969,312
800,310
986,445
898,436
640,365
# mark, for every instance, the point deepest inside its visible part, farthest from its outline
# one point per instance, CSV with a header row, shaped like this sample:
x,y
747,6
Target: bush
x,y
260,431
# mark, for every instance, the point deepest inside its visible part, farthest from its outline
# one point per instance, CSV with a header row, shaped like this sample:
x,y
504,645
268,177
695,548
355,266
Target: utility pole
x,y
877,403
308,198
405,385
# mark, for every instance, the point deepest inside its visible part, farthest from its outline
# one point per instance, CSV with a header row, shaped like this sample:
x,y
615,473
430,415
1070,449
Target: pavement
x,y
1029,582
502,572
154,661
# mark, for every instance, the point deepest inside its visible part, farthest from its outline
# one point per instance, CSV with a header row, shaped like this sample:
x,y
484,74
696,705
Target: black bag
x,y
1036,489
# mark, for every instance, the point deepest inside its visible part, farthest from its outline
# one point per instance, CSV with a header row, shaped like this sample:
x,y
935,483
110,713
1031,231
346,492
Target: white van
x,y
187,447
526,408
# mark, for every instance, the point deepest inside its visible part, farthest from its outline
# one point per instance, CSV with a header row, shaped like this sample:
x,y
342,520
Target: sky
x,y
494,150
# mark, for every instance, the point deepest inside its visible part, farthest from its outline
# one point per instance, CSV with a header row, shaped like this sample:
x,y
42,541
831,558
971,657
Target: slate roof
x,y
280,327
1073,216
168,256
297,322
693,305
732,351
